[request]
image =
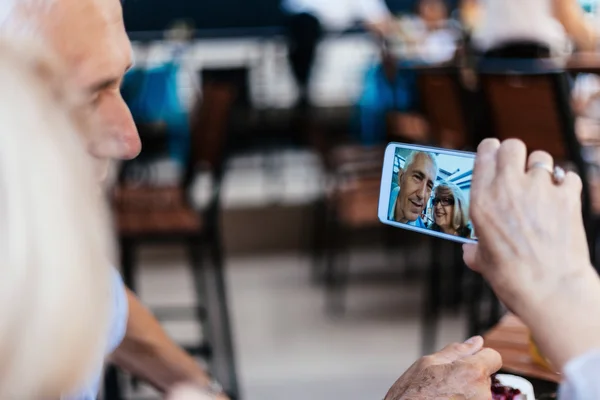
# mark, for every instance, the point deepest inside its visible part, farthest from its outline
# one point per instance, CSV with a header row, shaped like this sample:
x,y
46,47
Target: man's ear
x,y
400,176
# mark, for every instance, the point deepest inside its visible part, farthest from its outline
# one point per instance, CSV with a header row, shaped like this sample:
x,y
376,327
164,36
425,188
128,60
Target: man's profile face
x,y
416,184
90,37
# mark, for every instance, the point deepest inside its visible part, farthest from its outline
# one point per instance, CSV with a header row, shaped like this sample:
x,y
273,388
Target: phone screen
x,y
427,190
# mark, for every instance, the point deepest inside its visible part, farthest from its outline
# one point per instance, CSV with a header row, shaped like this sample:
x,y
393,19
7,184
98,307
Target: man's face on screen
x,y
416,184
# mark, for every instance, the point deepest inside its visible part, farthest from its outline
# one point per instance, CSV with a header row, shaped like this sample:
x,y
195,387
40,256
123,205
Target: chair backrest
x,y
525,107
443,103
209,123
529,100
519,50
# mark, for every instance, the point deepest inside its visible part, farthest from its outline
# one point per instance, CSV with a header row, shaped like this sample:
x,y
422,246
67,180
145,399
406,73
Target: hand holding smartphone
x,y
426,189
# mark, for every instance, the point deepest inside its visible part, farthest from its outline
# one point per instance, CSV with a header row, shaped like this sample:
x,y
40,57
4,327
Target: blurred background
x,y
249,222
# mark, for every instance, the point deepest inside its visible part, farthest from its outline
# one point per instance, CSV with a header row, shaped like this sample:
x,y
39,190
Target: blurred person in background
x,y
389,102
415,183
533,250
56,288
89,39
428,33
470,14
533,28
433,13
450,210
308,20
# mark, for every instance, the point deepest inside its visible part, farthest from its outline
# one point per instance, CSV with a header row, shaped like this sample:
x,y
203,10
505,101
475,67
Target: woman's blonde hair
x,y
460,215
55,241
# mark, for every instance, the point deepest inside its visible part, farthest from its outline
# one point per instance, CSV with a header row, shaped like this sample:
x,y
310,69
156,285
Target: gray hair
x,y
411,157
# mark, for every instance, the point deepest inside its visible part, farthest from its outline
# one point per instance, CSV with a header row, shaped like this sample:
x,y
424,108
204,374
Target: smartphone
x,y
426,190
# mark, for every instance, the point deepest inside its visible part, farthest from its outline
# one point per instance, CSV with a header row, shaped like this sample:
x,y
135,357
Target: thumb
x,y
188,393
457,351
469,256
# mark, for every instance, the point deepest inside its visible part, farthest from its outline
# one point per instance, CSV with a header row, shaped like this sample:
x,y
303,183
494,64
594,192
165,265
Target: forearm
x,y
148,353
566,324
571,16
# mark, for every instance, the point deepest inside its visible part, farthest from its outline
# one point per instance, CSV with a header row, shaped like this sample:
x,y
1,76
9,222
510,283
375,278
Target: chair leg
x,y
432,303
200,287
336,274
128,260
474,298
495,310
112,388
320,226
224,316
458,273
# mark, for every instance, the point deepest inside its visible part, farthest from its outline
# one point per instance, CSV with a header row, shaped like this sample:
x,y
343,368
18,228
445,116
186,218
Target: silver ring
x,y
543,166
558,174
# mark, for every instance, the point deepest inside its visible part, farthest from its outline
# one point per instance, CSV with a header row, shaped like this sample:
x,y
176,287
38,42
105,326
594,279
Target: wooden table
x,y
510,338
585,63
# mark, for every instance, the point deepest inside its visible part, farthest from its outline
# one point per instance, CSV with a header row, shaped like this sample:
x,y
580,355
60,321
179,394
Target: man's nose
x,y
422,192
130,144
123,141
128,136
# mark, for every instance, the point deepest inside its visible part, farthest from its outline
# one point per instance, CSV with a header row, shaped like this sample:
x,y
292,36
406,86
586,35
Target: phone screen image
x,y
427,190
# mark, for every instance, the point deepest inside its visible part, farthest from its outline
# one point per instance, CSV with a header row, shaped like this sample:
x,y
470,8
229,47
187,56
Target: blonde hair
x,y
460,215
55,242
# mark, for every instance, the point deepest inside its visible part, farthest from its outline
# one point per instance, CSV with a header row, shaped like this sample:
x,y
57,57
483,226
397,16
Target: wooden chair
x,y
444,103
530,100
147,214
350,205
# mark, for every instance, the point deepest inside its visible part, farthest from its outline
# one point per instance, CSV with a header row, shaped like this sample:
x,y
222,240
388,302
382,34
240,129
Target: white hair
x,y
410,159
21,18
55,244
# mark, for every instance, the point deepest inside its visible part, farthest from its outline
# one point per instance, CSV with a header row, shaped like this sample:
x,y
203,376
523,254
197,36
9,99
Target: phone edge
x,y
385,188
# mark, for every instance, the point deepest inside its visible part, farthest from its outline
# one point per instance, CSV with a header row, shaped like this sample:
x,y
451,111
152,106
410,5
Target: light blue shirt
x,y
582,378
118,327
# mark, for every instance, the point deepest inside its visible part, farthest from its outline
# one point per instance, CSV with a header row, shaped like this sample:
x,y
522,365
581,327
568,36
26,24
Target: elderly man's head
x,y
89,38
54,224
416,181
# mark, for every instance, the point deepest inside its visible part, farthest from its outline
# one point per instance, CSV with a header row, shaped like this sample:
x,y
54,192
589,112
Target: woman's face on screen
x,y
443,209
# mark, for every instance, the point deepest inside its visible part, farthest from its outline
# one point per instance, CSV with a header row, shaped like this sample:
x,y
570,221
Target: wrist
x,y
564,321
531,296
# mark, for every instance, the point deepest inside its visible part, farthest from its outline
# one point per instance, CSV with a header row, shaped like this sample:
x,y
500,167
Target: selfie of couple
x,y
416,185
66,311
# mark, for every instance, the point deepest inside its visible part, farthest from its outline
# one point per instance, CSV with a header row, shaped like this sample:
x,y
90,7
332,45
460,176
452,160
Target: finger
x,y
512,156
540,165
573,183
457,351
469,252
484,170
488,359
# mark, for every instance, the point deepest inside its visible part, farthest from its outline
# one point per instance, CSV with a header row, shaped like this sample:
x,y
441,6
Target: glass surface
x,y
430,191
